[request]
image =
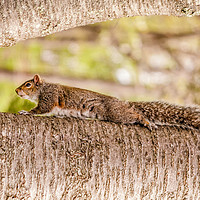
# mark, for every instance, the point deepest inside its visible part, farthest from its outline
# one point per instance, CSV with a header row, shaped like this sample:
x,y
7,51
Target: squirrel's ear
x,y
37,79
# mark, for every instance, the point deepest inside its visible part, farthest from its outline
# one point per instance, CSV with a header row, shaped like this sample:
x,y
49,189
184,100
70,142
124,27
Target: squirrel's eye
x,y
28,85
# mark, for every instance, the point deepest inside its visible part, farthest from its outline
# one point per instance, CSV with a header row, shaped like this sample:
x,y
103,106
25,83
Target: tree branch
x,y
53,158
23,19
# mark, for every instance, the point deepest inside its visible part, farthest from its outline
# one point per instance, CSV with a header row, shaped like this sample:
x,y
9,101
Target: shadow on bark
x,y
54,158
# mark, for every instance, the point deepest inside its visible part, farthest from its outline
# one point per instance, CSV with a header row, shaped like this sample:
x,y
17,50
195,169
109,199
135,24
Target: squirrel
x,y
58,99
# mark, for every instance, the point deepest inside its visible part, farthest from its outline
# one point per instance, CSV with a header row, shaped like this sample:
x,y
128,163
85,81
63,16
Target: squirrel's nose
x,y
17,90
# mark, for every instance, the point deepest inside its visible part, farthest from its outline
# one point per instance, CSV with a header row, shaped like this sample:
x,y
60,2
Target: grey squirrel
x,y
58,99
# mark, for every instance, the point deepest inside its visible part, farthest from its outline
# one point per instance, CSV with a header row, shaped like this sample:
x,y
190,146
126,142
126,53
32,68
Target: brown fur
x,y
83,103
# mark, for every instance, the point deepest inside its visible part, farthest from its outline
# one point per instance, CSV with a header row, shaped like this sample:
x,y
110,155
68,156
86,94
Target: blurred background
x,y
139,58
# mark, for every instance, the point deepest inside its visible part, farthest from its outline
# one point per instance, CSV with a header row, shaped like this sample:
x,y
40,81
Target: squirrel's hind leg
x,y
142,120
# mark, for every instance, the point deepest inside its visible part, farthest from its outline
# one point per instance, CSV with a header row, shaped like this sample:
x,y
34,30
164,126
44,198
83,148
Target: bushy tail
x,y
165,113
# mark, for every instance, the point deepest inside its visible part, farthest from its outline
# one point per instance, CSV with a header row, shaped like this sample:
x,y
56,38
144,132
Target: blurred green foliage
x,y
94,53
17,104
6,91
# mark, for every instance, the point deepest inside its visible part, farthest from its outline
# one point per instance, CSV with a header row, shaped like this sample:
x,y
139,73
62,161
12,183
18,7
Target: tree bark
x,y
23,19
54,158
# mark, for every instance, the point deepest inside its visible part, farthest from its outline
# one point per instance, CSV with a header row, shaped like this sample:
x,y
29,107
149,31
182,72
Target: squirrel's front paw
x,y
24,112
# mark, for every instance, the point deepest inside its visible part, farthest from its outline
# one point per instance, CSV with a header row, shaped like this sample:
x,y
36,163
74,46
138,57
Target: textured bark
x,y
22,19
53,158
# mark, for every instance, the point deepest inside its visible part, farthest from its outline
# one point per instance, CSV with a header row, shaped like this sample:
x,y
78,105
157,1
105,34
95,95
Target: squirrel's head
x,y
30,89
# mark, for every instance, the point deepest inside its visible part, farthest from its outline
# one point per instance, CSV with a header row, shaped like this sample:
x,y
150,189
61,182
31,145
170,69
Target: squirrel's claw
x,y
150,125
24,112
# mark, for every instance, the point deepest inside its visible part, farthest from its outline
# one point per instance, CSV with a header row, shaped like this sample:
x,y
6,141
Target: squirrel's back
x,y
165,113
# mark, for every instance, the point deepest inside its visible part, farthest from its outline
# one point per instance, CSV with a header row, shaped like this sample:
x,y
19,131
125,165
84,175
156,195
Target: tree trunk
x,y
23,19
53,158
